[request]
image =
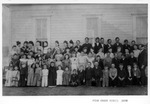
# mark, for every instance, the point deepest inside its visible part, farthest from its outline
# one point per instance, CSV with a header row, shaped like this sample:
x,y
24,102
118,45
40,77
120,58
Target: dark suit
x,y
107,46
97,46
115,46
97,74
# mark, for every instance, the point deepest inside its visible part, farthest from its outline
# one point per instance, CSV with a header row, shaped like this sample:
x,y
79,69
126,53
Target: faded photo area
x,y
74,49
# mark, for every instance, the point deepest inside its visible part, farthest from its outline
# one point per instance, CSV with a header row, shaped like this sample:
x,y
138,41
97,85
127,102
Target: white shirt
x,y
45,72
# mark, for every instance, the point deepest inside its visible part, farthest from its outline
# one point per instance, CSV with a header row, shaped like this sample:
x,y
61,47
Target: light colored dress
x,y
59,77
74,63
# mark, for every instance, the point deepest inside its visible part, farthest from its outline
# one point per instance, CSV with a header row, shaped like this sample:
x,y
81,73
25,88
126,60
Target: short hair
x,y
117,38
108,40
31,42
26,42
125,40
18,42
65,42
87,38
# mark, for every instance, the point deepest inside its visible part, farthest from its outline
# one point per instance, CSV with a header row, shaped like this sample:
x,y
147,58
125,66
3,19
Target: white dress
x,y
9,76
59,77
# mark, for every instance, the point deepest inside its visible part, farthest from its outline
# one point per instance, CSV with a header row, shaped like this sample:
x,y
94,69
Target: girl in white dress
x,y
9,76
59,76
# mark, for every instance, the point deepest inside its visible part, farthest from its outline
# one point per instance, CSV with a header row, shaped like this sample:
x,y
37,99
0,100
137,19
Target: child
x,y
52,74
31,75
37,75
105,77
23,75
88,74
113,75
15,76
136,75
129,75
127,54
121,75
97,74
101,54
45,76
100,61
74,62
66,76
9,76
74,78
81,75
59,78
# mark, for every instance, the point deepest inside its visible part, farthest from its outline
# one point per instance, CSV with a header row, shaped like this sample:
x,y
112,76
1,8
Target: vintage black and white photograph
x,y
74,49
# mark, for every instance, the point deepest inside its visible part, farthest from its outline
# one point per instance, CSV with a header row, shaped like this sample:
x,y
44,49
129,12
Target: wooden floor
x,y
80,90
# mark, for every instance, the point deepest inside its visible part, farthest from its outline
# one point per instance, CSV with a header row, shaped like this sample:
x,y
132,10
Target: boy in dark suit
x,y
97,74
88,74
121,75
97,45
116,45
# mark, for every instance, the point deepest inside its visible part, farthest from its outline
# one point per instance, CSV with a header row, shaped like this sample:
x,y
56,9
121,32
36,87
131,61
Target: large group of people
x,y
104,65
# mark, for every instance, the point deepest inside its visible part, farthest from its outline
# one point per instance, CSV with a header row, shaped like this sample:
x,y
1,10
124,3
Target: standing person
x,y
121,76
108,45
81,76
97,74
107,60
59,78
15,76
66,76
9,76
136,52
78,45
116,61
97,45
67,62
23,74
65,44
142,62
129,79
86,45
18,48
74,79
38,47
119,53
116,45
56,49
132,45
113,75
37,77
45,76
74,62
103,46
52,75
71,46
88,74
125,46
30,79
136,75
105,77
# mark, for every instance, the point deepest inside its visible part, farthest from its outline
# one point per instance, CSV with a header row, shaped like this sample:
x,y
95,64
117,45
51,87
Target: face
x,y
118,49
86,40
110,41
110,50
126,51
129,68
67,56
38,43
16,68
85,50
97,40
117,40
120,66
45,66
113,65
66,69
56,44
102,41
96,64
59,67
132,54
52,64
37,65
65,44
78,42
106,68
29,56
73,55
89,64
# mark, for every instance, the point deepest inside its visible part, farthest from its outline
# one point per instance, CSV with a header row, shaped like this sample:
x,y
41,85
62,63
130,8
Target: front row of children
x,y
34,75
